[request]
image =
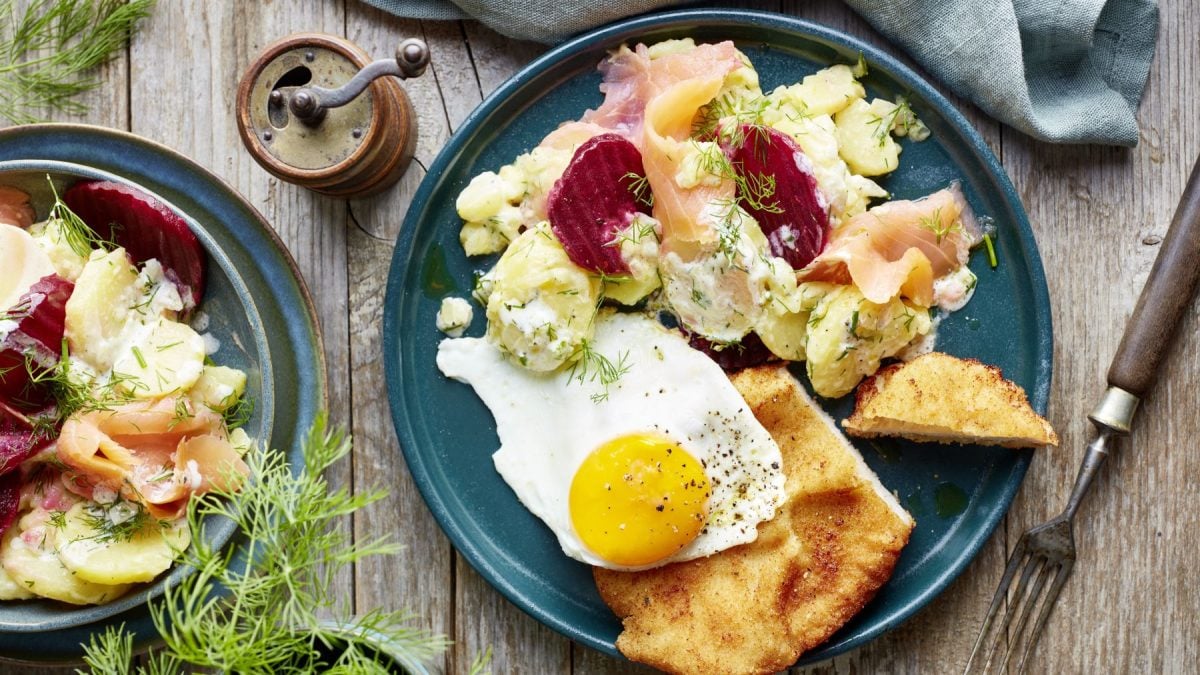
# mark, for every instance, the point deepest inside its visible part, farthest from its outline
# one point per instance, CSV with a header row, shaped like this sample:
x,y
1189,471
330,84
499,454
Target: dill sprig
x,y
80,237
639,185
590,365
48,49
940,230
265,617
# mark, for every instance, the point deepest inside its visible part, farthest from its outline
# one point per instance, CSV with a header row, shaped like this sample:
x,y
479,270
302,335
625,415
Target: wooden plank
x,y
183,87
421,577
1099,214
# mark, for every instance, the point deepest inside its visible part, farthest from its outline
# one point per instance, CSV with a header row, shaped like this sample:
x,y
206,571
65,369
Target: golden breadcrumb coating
x,y
942,398
757,607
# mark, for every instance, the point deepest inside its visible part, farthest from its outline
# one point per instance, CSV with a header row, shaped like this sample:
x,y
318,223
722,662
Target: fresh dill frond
x,y
49,48
639,185
267,617
638,230
238,414
80,237
940,230
589,365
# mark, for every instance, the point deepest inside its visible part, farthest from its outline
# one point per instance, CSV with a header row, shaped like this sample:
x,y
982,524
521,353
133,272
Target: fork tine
x,y
1010,570
1027,609
1047,605
1035,561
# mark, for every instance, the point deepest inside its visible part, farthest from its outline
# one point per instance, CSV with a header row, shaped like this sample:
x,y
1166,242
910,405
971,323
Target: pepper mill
x,y
313,110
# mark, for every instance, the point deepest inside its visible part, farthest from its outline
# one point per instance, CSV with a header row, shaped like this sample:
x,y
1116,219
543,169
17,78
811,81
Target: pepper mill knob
x,y
313,111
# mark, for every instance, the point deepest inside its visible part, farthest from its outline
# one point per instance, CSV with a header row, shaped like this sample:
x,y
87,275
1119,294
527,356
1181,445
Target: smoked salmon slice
x,y
15,208
632,79
150,452
900,247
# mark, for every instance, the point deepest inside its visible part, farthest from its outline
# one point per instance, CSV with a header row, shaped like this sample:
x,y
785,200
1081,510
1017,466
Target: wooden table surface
x,y
1099,214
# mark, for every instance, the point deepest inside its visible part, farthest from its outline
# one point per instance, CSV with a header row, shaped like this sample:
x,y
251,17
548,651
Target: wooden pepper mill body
x,y
355,150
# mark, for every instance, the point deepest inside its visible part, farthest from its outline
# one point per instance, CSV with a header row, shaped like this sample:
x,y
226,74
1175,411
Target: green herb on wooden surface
x,y
49,48
263,618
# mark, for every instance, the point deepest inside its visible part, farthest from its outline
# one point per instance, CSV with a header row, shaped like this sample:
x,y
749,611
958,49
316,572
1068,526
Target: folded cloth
x,y
1064,71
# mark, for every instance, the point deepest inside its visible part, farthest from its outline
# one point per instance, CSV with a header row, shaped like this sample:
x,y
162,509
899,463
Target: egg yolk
x,y
638,499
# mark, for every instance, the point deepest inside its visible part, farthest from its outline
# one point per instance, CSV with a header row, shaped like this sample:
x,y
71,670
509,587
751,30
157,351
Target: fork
x,y
1046,553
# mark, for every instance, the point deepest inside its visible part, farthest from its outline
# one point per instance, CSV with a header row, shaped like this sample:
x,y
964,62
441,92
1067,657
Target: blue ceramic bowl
x,y
957,494
233,320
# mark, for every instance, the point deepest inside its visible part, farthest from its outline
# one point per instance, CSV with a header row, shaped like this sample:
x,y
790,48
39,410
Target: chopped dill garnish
x,y
238,414
118,522
58,519
991,250
901,118
591,366
137,354
640,187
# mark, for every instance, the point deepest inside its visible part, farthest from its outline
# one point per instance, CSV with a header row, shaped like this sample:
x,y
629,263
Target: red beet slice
x,y
40,316
595,199
10,499
797,227
145,228
20,438
749,352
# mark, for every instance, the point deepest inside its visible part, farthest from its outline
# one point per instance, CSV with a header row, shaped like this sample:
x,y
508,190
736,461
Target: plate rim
x,y
137,619
626,29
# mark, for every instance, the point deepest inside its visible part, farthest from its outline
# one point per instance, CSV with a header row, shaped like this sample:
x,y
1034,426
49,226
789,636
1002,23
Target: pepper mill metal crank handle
x,y
309,104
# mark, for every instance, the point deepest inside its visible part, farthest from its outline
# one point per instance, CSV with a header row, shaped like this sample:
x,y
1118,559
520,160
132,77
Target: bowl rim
x,y
223,531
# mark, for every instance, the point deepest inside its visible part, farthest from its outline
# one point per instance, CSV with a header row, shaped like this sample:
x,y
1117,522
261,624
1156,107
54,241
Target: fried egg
x,y
639,455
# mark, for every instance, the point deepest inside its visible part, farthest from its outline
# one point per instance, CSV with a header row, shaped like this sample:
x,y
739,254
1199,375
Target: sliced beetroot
x,y
10,499
595,199
35,342
145,228
795,218
749,352
20,437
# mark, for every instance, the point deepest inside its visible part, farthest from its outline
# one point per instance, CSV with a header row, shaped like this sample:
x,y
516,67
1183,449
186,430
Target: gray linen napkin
x,y
1065,71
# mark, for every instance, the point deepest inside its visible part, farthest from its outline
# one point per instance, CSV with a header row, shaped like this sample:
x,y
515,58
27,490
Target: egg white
x,y
548,423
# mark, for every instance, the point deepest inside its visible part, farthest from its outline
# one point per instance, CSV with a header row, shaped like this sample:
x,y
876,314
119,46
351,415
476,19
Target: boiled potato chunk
x,y
541,304
39,570
9,589
241,441
219,387
51,237
93,557
99,308
168,357
826,92
865,138
848,336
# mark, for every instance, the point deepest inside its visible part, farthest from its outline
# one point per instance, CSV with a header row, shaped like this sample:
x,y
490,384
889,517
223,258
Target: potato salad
x,y
113,410
752,219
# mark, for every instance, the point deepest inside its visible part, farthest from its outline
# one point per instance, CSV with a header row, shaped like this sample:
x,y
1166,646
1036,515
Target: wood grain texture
x,y
1099,215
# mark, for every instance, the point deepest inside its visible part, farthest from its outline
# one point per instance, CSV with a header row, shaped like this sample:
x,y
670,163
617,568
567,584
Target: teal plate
x,y
249,267
957,495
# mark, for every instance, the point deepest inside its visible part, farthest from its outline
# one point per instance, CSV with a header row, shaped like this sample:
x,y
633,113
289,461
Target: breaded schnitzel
x,y
757,607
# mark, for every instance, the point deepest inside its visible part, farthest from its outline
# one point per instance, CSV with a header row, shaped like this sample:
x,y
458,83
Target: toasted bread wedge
x,y
942,398
756,607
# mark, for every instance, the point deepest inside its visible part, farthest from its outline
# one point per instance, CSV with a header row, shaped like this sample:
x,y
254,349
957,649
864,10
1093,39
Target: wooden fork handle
x,y
1164,300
